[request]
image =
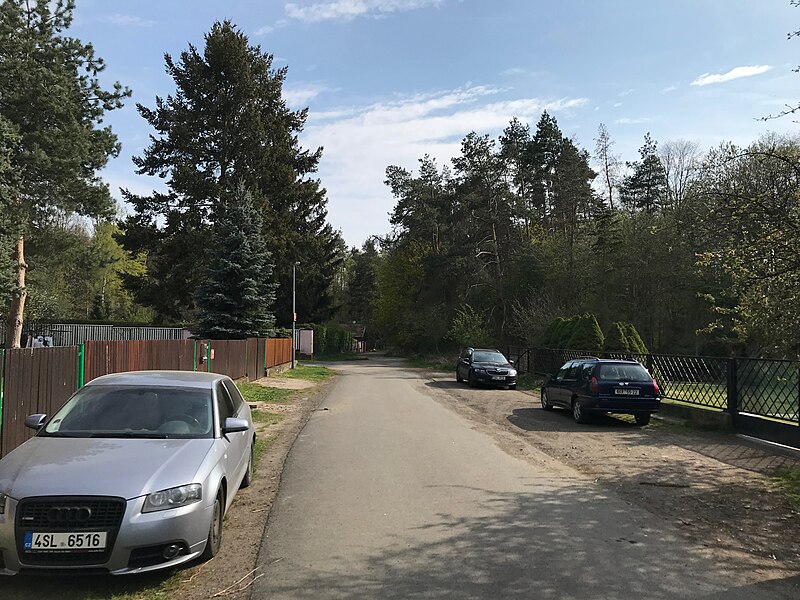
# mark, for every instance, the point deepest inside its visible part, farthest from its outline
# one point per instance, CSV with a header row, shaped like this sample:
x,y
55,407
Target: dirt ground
x,y
713,488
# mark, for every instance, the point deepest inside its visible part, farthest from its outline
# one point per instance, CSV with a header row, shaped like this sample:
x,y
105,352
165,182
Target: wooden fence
x,y
40,380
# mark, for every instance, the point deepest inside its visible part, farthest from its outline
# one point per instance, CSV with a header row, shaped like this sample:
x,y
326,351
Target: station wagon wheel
x,y
578,413
545,402
459,378
470,379
642,419
215,530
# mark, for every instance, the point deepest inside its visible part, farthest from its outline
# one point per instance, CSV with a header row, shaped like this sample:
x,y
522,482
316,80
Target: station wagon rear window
x,y
622,372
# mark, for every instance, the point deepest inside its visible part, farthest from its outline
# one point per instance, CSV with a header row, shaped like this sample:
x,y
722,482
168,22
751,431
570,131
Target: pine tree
x,y
646,187
52,102
229,118
235,299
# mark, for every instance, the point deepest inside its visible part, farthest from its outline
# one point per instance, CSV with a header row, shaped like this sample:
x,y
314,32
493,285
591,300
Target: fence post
x,y
2,392
81,365
194,350
733,388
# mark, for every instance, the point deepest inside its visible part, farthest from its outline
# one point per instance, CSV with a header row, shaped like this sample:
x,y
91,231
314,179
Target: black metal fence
x,y
75,334
763,388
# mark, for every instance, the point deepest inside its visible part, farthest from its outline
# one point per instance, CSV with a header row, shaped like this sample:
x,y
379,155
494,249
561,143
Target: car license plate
x,y
626,392
65,542
498,377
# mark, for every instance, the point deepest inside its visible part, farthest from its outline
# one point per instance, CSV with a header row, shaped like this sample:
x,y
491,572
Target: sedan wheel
x,y
578,413
459,378
215,530
470,379
248,475
545,402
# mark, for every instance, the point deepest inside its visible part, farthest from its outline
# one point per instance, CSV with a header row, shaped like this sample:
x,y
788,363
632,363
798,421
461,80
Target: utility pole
x,y
294,308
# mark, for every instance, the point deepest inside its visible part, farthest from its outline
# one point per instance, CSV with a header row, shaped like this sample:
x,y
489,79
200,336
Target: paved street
x,y
388,494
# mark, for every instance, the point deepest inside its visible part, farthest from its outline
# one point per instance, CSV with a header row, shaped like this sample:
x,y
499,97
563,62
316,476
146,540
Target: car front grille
x,y
57,514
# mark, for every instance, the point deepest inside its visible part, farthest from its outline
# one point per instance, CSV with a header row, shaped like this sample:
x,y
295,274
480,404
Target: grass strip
x,y
789,481
307,372
253,392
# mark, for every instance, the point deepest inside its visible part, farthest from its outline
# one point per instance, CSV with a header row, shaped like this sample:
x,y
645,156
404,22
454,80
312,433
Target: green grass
x,y
307,372
529,381
711,395
789,481
265,417
261,446
253,392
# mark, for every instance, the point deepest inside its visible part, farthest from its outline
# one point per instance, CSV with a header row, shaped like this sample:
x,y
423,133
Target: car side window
x,y
586,372
235,395
224,404
562,373
572,373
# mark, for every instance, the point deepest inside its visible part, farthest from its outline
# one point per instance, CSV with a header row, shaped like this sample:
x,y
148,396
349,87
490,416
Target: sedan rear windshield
x,y
623,372
134,411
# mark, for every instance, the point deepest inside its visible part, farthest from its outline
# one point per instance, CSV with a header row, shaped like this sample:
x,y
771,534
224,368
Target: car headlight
x,y
173,497
480,371
3,502
512,372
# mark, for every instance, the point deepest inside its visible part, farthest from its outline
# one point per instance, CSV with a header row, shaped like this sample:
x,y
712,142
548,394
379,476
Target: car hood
x,y
48,466
491,365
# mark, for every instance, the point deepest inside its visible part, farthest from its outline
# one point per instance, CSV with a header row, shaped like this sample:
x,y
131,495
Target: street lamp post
x,y
294,308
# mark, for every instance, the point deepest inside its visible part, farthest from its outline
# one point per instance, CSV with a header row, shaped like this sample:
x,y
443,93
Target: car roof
x,y
606,361
161,379
484,349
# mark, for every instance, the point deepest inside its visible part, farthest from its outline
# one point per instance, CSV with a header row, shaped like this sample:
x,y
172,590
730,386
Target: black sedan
x,y
484,366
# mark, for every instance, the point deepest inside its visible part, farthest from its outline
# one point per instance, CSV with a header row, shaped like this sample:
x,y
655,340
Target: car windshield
x,y
494,357
134,411
623,372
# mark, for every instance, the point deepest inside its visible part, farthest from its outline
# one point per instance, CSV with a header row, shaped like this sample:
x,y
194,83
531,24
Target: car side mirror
x,y
233,425
35,421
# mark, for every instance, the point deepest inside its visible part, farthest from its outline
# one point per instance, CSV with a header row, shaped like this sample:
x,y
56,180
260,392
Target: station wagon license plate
x,y
626,392
498,377
65,542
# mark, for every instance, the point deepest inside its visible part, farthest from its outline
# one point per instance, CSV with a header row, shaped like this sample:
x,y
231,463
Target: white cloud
x,y
360,142
626,93
299,95
736,73
668,89
347,10
128,21
270,28
513,71
633,121
617,104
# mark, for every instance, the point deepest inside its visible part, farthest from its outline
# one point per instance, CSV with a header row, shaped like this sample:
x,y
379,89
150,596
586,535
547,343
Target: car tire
x,y
248,474
214,541
578,413
459,378
470,379
545,402
513,386
642,419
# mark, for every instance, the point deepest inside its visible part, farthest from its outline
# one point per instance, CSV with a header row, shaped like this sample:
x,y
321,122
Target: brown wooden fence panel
x,y
36,380
279,352
230,358
262,356
104,357
254,369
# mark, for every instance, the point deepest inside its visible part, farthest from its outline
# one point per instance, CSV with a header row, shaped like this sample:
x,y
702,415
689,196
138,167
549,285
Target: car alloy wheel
x,y
214,540
545,404
470,379
459,378
578,413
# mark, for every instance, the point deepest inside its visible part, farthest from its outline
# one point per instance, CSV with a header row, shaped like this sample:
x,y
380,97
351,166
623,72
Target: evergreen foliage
x,y
635,342
228,114
617,339
586,334
469,328
235,298
52,105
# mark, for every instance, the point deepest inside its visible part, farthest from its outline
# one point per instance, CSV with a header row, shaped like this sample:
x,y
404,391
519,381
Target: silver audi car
x,y
134,473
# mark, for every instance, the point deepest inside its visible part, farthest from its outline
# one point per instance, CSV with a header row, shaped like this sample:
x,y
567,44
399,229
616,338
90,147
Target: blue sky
x,y
387,81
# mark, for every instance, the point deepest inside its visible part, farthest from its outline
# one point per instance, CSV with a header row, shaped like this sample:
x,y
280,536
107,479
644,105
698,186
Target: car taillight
x,y
656,391
593,385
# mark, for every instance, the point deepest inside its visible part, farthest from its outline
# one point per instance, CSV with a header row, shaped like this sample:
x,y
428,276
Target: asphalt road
x,y
388,494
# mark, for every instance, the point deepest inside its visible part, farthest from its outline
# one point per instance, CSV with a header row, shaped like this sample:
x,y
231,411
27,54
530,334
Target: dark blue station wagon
x,y
590,386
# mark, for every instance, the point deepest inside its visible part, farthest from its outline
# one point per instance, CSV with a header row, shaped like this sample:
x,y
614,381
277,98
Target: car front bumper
x,y
487,379
138,533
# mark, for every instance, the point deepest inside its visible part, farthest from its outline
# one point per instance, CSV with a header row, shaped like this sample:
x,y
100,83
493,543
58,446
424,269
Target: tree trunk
x,y
17,305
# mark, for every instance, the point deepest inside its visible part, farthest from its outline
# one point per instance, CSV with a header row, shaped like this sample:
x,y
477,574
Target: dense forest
x,y
698,249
